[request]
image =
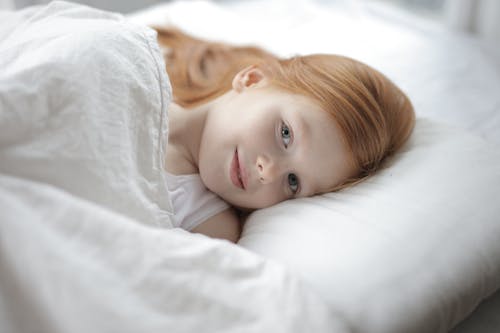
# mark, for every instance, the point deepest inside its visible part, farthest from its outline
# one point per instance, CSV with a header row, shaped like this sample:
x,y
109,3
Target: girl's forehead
x,y
296,103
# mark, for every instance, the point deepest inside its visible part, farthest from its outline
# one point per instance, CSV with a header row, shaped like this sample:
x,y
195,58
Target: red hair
x,y
374,115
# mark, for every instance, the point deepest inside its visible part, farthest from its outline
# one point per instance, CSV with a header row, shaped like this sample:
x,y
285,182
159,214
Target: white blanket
x,y
83,101
71,266
84,107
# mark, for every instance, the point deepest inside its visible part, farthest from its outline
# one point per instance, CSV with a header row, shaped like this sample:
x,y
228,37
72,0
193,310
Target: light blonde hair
x,y
374,115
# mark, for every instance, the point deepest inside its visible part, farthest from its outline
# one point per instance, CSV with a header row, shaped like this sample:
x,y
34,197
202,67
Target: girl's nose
x,y
267,169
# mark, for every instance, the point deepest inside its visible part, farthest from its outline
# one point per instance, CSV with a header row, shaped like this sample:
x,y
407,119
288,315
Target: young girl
x,y
249,130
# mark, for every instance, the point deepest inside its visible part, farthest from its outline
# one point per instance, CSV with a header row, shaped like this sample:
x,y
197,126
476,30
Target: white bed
x,y
414,249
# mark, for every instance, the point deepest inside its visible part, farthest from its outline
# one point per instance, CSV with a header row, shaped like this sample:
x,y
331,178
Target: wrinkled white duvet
x,y
86,243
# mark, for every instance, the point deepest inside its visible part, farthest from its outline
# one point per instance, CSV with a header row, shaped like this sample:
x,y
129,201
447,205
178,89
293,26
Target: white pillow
x,y
413,249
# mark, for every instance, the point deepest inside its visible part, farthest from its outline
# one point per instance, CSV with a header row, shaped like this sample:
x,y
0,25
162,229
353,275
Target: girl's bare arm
x,y
225,225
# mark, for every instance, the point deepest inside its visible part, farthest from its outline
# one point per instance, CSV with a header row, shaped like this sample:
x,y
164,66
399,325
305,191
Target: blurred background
x,y
477,17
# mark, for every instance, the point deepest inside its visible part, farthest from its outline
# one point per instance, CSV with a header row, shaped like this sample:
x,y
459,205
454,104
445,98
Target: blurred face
x,y
261,146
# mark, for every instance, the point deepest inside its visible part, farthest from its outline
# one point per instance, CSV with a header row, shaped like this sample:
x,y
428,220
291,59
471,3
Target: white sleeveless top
x,y
192,202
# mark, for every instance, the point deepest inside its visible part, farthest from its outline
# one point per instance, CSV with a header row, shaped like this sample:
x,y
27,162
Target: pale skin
x,y
256,146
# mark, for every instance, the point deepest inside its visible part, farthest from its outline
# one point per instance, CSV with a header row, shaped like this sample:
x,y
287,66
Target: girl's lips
x,y
236,173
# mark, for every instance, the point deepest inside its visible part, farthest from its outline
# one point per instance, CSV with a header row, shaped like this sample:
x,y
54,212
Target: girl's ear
x,y
248,77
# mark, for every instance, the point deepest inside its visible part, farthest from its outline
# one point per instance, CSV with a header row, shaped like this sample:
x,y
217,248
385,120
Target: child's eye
x,y
286,135
293,182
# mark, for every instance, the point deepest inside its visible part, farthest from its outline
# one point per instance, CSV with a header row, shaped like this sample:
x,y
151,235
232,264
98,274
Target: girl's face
x,y
261,146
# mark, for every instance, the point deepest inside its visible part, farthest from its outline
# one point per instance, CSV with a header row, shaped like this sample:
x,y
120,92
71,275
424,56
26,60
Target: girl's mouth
x,y
236,174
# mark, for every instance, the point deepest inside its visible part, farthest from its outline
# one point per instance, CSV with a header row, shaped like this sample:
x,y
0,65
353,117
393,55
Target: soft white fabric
x,y
192,202
68,265
82,131
6,4
83,101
